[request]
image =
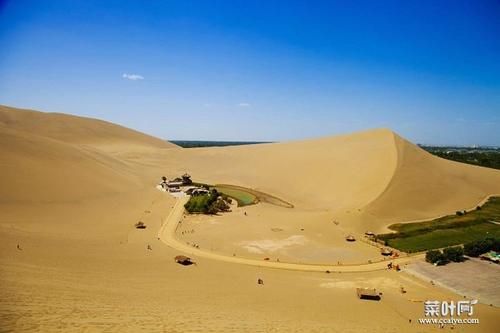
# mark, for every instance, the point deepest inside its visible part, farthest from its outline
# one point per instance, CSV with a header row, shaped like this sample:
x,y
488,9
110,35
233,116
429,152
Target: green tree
x,y
454,253
434,256
476,248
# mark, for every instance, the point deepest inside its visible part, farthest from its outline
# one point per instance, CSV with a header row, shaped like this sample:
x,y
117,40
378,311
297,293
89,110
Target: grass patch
x,y
261,196
210,203
243,197
446,231
198,204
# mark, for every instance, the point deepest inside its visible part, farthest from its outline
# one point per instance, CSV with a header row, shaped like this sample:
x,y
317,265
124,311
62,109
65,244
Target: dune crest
x,y
49,158
425,186
372,178
341,172
77,130
73,189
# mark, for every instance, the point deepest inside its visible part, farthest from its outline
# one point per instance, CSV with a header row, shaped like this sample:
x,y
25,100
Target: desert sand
x,y
72,261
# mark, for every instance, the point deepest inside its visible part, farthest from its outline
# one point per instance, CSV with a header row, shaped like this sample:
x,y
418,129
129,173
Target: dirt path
x,y
167,235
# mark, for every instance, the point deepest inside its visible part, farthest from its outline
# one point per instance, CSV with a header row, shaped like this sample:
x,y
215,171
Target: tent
x,y
386,252
183,260
367,293
350,238
140,225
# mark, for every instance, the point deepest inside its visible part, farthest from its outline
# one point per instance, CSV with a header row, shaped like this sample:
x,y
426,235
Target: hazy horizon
x,y
260,72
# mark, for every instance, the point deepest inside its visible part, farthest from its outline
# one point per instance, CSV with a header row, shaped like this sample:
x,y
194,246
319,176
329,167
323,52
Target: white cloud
x,y
244,105
133,77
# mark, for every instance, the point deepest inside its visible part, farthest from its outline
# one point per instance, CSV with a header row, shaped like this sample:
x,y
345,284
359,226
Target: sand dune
x,y
328,173
425,186
72,189
36,169
372,175
371,178
76,130
50,157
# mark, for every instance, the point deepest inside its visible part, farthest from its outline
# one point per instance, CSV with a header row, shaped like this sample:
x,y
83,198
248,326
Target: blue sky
x,y
260,70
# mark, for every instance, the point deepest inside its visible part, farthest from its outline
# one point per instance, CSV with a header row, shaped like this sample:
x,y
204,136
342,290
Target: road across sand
x,y
167,235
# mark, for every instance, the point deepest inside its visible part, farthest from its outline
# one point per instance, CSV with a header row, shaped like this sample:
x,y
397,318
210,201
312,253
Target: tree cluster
x,y
456,253
476,248
211,203
449,254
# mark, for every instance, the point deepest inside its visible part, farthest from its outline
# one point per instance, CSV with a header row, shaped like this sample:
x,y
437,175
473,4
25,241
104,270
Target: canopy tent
x,y
368,293
183,260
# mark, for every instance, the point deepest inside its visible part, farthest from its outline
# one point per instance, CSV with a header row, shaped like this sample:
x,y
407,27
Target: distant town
x,y
486,156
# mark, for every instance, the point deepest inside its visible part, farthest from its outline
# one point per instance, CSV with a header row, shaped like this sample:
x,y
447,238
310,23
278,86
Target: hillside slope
x,y
373,176
425,186
328,173
48,157
38,169
77,130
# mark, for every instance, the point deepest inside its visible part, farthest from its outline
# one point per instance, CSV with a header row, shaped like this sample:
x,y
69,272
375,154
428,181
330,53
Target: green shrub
x,y
207,203
434,256
454,253
496,245
218,206
476,248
